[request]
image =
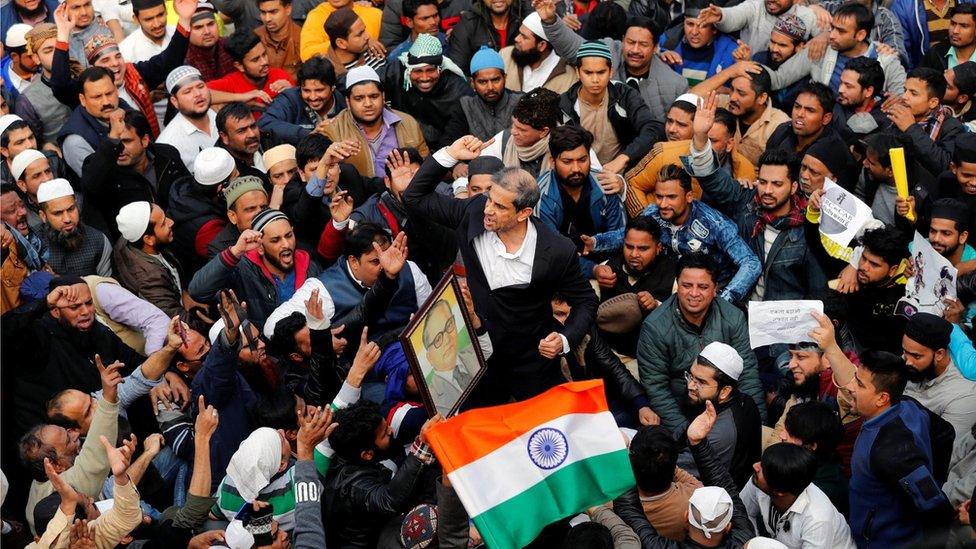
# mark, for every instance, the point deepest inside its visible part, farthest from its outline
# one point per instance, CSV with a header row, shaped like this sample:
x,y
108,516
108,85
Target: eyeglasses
x,y
449,328
690,379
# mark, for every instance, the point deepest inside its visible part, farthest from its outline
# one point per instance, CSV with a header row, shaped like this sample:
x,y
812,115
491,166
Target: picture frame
x,y
445,374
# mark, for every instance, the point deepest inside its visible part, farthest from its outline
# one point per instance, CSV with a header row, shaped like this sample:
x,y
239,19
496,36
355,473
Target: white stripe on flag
x,y
511,471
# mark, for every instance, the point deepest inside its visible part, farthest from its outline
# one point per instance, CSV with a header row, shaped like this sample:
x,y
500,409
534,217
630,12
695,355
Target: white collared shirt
x,y
537,78
139,47
187,138
20,83
501,267
811,522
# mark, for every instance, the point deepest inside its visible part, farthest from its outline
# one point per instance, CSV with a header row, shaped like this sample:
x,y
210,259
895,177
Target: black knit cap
x,y
929,330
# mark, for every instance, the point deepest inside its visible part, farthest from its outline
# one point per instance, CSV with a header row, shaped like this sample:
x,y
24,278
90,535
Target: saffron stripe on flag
x,y
511,469
476,433
586,483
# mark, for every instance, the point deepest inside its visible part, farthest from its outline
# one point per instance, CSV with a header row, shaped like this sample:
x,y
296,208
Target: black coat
x,y
475,30
600,362
110,186
191,207
431,109
512,314
43,357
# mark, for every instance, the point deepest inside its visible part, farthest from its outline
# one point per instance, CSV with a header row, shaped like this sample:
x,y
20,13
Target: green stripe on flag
x,y
577,487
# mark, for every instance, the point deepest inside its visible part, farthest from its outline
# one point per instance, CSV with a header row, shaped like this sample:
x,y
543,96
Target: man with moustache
x,y
310,106
206,50
31,247
263,267
374,127
773,223
489,110
452,370
31,12
425,83
153,34
128,167
194,128
75,248
934,380
573,203
949,230
531,61
240,136
736,437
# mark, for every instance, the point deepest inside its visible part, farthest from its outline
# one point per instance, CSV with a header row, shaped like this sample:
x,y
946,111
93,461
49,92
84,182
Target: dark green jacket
x,y
668,345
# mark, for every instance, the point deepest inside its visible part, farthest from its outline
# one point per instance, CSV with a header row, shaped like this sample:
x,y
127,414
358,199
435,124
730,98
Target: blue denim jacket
x,y
607,212
789,267
706,231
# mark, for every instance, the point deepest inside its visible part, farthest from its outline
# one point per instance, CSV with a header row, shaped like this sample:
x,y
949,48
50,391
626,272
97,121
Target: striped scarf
x,y
139,91
795,218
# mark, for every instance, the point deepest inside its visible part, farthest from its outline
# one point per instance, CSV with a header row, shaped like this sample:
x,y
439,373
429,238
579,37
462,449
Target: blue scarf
x,y
32,248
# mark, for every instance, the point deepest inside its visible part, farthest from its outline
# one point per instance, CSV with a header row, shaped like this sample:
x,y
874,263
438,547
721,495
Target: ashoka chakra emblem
x,y
548,448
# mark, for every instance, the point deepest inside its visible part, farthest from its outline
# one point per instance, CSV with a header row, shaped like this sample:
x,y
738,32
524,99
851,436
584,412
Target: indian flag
x,y
519,467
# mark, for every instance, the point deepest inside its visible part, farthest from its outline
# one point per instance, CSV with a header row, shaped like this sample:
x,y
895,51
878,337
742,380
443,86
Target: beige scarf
x,y
595,119
513,155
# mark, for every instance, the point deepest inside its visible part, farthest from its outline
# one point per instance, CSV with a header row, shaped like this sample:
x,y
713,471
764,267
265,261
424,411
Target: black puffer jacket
x,y
594,359
361,497
111,186
191,206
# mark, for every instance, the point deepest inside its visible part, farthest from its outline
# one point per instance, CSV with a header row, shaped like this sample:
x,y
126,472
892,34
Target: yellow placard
x,y
901,175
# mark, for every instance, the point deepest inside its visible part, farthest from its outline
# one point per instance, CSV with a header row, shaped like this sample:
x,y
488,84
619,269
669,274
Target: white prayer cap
x,y
760,542
212,166
17,35
724,357
180,76
688,98
710,510
534,22
360,74
54,189
23,159
133,220
8,119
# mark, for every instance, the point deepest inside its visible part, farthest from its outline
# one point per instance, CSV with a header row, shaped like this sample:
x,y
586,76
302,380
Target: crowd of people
x,y
219,216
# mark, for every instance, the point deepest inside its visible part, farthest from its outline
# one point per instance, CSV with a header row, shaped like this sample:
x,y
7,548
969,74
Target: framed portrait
x,y
443,350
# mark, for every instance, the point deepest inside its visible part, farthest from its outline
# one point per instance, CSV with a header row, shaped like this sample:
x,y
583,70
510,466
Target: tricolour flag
x,y
519,467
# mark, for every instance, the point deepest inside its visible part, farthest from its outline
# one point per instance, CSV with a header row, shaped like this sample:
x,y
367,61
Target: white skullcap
x,y
54,189
213,166
17,35
180,76
724,357
23,159
360,74
8,119
688,98
534,22
760,542
133,220
710,509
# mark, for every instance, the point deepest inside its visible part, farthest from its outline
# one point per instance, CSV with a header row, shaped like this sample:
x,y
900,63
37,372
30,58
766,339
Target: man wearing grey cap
x,y
194,128
263,267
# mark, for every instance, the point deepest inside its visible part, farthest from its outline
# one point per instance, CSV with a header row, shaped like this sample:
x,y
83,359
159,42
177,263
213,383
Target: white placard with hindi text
x,y
841,214
786,321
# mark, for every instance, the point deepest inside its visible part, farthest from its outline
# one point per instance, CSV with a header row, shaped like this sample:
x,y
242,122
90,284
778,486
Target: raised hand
x,y
366,357
710,15
425,428
119,457
315,425
81,536
341,206
64,22
672,58
232,321
609,180
111,378
69,496
153,444
185,10
249,240
180,392
743,52
699,428
207,539
336,153
823,334
62,296
588,244
704,118
338,342
400,171
546,10
572,21
468,148
393,257
116,124
161,396
207,420
176,334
